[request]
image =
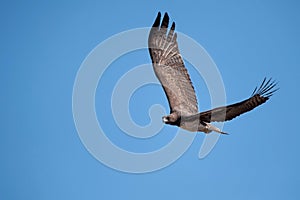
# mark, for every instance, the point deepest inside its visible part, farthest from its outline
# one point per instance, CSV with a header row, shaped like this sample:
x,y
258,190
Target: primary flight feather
x,y
169,68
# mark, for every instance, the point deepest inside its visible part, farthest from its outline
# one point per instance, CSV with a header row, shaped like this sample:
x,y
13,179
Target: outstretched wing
x,y
259,96
169,67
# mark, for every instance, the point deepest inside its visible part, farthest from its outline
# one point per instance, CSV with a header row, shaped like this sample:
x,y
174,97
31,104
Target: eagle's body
x,y
170,70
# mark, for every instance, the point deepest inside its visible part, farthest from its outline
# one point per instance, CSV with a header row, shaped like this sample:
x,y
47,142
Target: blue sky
x,y
43,44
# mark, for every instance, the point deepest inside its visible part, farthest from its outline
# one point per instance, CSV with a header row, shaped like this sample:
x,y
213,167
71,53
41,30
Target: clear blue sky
x,y
43,44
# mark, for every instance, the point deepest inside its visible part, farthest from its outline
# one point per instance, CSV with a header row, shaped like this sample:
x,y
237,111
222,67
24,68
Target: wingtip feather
x,y
157,20
266,89
165,21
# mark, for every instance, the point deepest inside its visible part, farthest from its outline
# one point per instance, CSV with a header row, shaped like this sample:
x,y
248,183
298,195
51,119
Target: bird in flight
x,y
169,68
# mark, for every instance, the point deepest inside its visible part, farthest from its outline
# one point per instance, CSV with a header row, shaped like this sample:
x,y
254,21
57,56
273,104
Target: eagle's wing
x,y
169,67
259,96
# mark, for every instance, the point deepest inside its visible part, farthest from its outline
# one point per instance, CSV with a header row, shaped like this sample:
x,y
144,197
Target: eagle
x,y
169,68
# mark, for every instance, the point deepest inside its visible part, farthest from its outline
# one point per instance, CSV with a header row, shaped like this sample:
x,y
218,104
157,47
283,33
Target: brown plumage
x,y
170,70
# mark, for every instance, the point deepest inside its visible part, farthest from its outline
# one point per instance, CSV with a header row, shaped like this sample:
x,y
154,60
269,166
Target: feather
x,y
169,67
225,113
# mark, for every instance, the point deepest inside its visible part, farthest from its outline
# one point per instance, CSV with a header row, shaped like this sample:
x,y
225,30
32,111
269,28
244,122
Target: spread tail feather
x,y
213,128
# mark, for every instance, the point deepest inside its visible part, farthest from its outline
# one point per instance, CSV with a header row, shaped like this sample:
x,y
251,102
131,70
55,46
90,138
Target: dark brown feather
x,y
169,67
225,113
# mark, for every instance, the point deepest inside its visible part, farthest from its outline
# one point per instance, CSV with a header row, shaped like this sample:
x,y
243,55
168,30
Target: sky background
x,y
43,44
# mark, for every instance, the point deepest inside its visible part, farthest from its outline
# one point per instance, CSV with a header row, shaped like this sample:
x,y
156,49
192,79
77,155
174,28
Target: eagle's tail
x,y
210,127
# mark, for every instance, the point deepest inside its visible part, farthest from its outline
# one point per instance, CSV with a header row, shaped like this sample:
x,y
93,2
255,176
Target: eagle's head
x,y
166,119
171,119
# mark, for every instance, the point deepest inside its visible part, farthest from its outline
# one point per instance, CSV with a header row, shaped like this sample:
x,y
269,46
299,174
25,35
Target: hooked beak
x,y
164,119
